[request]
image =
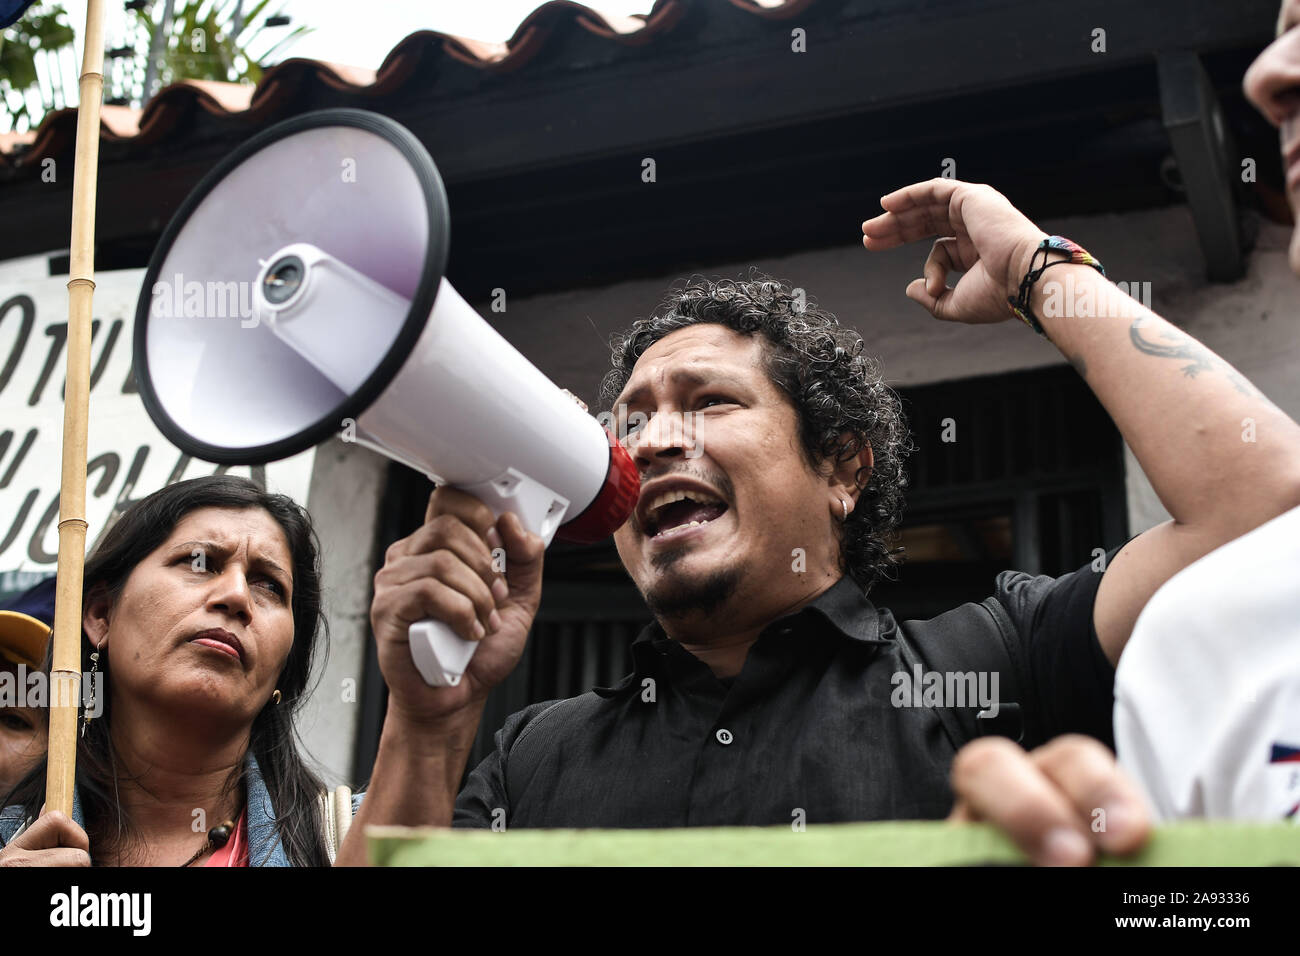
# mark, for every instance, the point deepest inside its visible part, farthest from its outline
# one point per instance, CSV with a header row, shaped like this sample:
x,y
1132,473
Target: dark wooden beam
x,y
1194,120
135,200
851,65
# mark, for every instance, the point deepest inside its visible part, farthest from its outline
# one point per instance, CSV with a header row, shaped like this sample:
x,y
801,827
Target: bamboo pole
x,y
65,684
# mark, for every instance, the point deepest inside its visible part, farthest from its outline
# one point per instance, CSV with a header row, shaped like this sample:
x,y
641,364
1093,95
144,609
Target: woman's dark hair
x,y
292,786
834,387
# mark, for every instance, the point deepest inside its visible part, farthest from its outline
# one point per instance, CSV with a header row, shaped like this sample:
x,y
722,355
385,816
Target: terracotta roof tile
x,y
11,141
230,97
167,109
119,122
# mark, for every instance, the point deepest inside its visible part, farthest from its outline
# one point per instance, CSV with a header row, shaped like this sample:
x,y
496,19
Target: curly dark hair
x,y
832,385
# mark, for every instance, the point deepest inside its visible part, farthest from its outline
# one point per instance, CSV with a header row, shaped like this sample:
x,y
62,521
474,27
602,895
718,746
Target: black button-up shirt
x,y
813,729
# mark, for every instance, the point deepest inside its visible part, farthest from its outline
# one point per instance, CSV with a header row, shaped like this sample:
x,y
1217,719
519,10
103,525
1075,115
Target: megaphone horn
x,y
300,288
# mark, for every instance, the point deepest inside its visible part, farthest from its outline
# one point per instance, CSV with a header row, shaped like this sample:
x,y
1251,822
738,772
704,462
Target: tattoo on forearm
x,y
1180,346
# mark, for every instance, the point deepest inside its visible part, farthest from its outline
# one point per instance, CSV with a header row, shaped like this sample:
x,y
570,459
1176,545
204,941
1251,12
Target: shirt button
x,y
724,736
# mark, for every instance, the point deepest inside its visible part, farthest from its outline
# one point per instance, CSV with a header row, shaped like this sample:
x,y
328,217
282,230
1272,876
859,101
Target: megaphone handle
x,y
440,654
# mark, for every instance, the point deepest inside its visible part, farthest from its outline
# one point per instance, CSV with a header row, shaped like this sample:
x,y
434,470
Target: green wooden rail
x,y
1193,843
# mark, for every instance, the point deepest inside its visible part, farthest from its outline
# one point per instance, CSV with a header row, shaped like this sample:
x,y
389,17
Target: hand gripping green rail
x,y
1192,843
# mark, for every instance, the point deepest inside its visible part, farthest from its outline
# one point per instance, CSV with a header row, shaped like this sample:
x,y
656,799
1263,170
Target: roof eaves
x,y
279,85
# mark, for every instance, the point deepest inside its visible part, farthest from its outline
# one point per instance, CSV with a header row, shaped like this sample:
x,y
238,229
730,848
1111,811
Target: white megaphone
x,y
299,293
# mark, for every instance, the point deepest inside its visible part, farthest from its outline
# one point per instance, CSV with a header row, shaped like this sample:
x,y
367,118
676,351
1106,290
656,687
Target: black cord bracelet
x,y
1078,255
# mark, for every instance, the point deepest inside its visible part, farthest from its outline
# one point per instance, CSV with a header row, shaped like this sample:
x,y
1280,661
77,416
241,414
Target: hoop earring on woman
x,y
845,505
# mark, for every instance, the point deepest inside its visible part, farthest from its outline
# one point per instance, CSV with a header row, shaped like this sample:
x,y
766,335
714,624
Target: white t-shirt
x,y
1207,691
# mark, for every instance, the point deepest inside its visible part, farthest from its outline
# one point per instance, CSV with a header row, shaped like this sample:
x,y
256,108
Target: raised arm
x,y
1222,458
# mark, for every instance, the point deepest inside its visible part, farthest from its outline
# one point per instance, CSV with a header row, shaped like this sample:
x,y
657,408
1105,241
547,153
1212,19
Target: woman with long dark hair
x,y
202,612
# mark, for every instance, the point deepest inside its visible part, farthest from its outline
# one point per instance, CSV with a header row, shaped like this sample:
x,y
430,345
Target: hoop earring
x,y
845,505
275,698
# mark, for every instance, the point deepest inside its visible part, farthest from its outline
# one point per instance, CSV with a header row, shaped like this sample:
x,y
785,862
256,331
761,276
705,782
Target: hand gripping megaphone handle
x,y
440,654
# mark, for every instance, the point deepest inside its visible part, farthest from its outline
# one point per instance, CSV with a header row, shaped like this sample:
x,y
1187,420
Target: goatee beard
x,y
678,596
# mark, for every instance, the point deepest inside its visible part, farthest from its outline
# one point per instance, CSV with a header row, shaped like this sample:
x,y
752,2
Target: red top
x,y
235,852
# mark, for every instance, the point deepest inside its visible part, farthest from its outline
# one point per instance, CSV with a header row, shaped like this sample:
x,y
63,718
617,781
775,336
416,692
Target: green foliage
x,y
202,43
44,26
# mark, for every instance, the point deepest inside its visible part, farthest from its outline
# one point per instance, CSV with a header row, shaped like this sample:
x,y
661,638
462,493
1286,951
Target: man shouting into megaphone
x,y
769,688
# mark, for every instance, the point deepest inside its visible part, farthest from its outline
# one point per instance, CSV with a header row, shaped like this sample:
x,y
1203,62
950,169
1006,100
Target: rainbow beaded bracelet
x,y
1078,255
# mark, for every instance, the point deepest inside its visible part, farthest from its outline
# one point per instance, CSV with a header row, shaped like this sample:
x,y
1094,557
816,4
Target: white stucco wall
x,y
347,489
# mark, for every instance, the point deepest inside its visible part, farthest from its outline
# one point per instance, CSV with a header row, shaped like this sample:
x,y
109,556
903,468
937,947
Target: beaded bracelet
x,y
1078,255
